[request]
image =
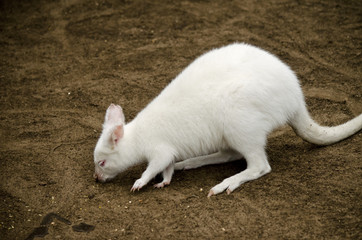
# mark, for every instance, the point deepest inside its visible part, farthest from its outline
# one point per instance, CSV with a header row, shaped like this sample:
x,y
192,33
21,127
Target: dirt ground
x,y
62,64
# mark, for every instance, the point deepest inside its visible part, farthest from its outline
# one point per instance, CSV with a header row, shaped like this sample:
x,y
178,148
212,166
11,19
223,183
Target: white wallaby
x,y
225,104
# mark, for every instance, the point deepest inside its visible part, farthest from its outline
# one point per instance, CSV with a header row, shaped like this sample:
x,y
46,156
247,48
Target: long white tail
x,y
312,132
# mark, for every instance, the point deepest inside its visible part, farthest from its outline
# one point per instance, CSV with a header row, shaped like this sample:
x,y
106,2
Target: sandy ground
x,y
63,62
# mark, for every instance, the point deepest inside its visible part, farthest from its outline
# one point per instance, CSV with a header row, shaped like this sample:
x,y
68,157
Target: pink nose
x,y
95,176
98,177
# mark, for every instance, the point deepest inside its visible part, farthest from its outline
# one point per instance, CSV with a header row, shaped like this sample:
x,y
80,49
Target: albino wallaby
x,y
220,108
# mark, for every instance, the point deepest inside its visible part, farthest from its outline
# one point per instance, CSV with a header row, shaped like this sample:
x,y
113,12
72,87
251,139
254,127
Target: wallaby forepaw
x,y
161,184
138,185
211,193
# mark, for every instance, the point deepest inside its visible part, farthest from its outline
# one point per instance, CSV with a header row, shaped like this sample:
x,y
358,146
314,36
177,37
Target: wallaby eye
x,y
102,163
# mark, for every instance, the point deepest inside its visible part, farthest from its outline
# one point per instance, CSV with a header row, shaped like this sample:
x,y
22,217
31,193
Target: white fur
x,y
224,104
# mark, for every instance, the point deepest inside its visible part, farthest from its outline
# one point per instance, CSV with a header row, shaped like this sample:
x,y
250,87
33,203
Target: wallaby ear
x,y
114,115
117,134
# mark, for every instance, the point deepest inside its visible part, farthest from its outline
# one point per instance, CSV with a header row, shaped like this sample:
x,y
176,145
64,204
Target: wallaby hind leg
x,y
215,158
257,166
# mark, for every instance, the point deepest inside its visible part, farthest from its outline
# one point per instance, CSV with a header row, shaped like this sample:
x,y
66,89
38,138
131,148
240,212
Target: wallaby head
x,y
106,153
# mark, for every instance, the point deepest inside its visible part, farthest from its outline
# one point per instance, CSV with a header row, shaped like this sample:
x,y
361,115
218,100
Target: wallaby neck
x,y
132,147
